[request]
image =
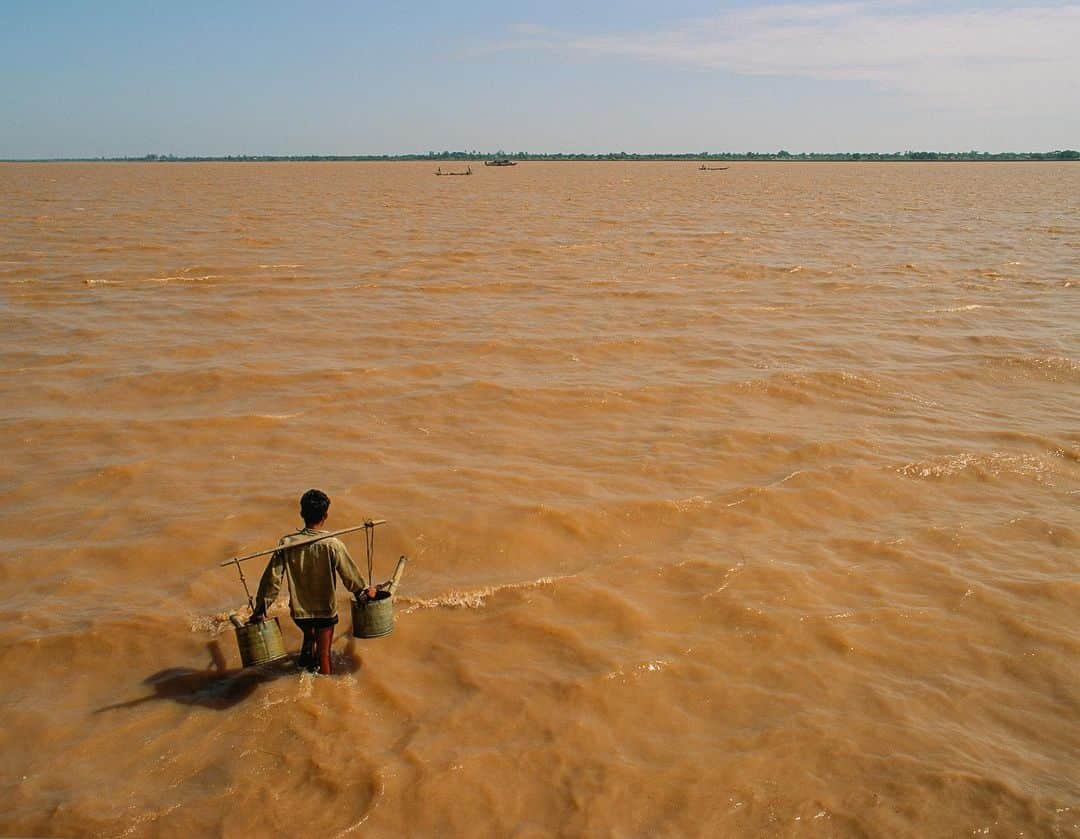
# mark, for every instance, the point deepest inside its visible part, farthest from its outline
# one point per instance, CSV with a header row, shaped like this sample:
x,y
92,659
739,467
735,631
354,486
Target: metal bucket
x,y
260,643
373,618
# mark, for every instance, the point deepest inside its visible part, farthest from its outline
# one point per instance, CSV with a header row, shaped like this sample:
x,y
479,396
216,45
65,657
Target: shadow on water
x,y
219,687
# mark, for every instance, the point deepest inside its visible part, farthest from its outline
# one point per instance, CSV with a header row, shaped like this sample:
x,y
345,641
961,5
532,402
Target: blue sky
x,y
123,78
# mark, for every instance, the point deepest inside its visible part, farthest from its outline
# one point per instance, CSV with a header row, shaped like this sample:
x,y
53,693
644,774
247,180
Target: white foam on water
x,y
694,502
993,463
725,581
655,665
184,278
474,598
971,307
214,625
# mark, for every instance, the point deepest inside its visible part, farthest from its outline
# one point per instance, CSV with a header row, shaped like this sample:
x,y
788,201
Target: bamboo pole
x,y
312,541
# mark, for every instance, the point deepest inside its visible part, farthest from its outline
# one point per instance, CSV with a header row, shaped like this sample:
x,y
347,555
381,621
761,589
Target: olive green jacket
x,y
312,572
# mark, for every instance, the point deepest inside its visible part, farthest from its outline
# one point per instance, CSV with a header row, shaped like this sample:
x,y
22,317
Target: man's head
x,y
313,506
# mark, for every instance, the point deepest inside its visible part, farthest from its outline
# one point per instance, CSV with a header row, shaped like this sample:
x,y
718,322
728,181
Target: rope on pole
x,y
369,544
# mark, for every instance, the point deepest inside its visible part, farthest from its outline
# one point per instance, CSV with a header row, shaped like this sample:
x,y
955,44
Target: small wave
x,y
969,308
803,386
1052,368
172,278
993,464
184,278
694,502
1053,362
654,666
725,581
1054,229
493,287
752,491
643,293
833,616
474,598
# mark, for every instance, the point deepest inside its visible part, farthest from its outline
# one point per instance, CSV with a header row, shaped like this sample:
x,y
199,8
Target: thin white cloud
x,y
1016,60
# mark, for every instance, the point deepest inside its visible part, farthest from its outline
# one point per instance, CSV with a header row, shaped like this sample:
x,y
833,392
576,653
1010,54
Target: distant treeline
x,y
1063,154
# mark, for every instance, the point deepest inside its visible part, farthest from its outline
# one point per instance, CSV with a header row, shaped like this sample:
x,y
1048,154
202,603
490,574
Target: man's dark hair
x,y
313,506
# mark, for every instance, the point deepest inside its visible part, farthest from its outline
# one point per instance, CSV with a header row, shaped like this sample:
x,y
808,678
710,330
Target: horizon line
x,y
781,155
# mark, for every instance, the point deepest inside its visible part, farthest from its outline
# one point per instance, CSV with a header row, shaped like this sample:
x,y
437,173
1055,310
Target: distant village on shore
x,y
441,156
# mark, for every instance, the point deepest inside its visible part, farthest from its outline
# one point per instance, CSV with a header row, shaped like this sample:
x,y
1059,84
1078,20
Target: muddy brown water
x,y
740,503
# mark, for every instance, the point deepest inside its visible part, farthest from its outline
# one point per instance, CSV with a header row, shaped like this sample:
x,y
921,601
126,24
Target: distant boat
x,y
705,168
500,161
468,171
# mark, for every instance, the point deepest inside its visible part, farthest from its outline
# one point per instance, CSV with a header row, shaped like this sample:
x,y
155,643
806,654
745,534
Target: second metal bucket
x,y
373,618
260,643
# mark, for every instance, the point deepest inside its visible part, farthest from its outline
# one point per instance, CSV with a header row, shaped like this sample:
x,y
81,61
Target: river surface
x,y
738,503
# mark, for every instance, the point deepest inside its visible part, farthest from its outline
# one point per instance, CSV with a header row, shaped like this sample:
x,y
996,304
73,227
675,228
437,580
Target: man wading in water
x,y
312,572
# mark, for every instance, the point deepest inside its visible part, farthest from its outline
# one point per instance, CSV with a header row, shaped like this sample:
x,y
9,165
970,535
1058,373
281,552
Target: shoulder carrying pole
x,y
368,524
